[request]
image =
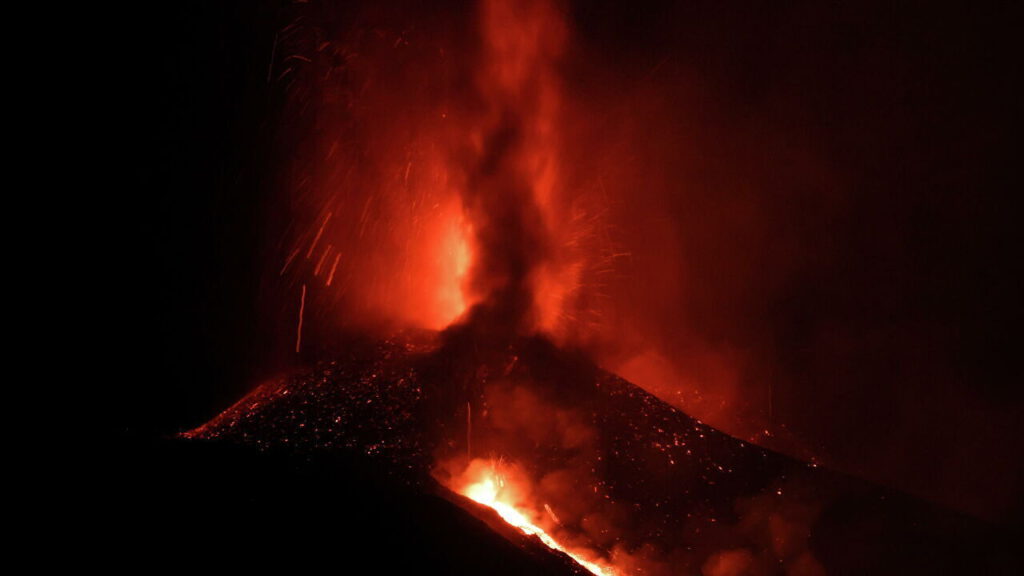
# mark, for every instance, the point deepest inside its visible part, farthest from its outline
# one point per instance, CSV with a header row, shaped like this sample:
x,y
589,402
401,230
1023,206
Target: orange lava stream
x,y
488,491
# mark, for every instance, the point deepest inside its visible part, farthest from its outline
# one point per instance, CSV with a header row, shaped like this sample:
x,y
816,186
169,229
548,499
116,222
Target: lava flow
x,y
487,484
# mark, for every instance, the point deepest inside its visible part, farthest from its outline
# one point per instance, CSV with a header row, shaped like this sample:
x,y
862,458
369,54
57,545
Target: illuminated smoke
x,y
512,158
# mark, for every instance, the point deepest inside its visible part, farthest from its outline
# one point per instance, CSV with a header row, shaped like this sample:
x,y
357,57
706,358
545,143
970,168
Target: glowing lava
x,y
487,486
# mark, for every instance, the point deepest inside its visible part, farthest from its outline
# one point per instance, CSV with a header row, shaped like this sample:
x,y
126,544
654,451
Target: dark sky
x,y
818,195
839,225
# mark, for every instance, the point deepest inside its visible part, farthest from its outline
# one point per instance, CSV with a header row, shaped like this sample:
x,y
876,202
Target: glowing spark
x,y
288,261
319,233
330,277
320,262
273,53
302,311
363,218
552,514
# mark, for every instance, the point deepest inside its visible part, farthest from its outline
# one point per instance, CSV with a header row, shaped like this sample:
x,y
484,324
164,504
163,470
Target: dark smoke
x,y
518,45
510,239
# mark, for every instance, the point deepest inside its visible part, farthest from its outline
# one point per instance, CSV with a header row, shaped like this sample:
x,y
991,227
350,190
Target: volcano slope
x,y
599,463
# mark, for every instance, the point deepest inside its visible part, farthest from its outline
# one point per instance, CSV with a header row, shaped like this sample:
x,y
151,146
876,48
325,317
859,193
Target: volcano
x,y
599,475
469,213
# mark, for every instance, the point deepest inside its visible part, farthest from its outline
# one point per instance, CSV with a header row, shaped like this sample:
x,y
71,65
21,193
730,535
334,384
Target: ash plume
x,y
509,236
511,158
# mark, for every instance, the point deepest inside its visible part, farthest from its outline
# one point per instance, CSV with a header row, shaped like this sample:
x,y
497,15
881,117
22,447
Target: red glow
x,y
450,263
404,215
502,488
